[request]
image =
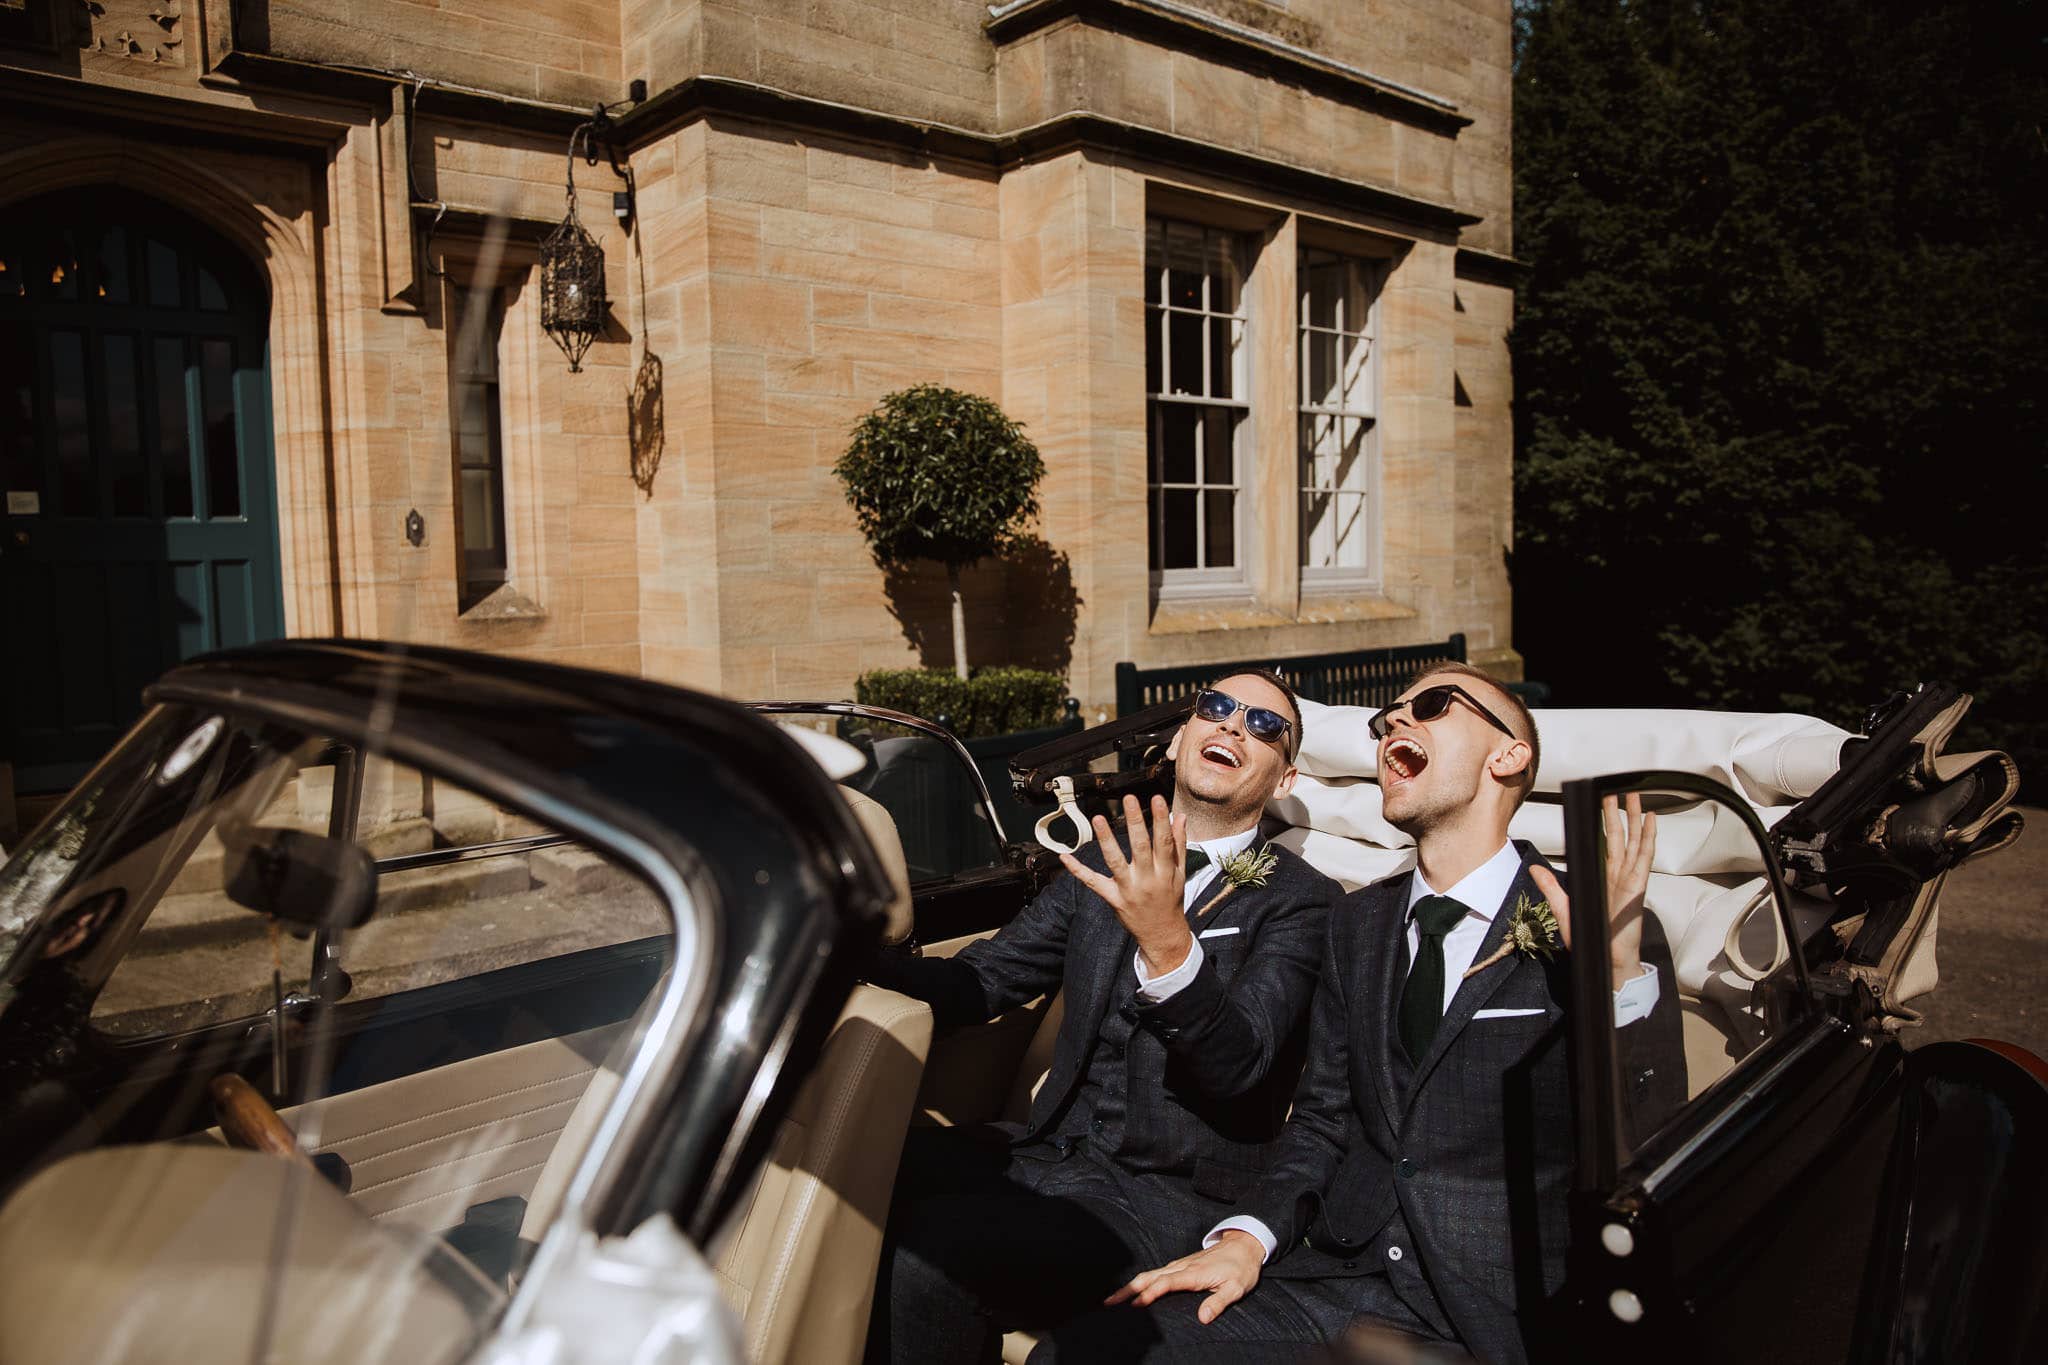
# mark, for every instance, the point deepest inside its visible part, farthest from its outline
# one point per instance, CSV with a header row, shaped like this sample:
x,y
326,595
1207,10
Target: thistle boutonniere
x,y
1246,867
1532,931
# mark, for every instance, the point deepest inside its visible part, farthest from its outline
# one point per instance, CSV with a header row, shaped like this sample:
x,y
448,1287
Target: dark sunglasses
x,y
1430,703
1268,727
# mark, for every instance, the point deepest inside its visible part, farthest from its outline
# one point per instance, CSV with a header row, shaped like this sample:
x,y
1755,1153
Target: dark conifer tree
x,y
1779,363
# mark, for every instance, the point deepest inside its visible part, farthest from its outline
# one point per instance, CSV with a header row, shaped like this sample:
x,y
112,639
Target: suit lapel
x,y
1475,990
1380,980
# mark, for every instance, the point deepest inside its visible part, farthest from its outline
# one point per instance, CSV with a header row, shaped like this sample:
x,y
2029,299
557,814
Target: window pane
x,y
212,298
1349,509
223,464
123,404
1184,356
58,266
173,978
112,266
1355,383
1321,284
1177,426
436,924
479,508
1177,532
1155,346
1321,369
1226,347
164,286
173,427
1318,529
1220,527
20,470
76,496
1219,453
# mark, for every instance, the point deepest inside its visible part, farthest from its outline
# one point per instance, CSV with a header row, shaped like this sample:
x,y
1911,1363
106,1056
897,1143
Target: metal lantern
x,y
572,304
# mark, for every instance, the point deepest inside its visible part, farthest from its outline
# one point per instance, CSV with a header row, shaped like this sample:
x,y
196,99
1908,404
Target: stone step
x,y
193,918
213,980
202,871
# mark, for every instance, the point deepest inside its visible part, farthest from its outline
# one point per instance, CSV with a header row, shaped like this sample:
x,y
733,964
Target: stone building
x,y
273,361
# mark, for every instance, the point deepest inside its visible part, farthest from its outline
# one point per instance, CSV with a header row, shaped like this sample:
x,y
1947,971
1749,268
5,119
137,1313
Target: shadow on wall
x,y
1021,609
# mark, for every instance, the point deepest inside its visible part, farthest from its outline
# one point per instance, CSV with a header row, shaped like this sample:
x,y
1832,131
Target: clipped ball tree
x,y
934,473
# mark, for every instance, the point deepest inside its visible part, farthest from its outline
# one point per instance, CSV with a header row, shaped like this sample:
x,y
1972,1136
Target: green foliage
x,y
934,473
1779,362
993,701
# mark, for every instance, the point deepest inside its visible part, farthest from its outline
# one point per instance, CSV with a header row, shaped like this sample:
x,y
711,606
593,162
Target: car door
x,y
1735,1218
968,878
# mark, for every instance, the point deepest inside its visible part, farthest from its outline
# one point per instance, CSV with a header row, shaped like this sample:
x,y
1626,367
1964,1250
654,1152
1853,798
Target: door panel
x,y
423,1148
139,494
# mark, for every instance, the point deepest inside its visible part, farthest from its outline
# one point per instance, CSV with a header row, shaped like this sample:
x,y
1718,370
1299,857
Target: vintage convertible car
x,y
384,1003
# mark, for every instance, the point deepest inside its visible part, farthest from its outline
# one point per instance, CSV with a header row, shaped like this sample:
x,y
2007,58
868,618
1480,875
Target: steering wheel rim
x,y
247,1120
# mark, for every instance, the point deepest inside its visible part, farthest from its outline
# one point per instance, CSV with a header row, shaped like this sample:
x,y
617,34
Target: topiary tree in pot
x,y
934,473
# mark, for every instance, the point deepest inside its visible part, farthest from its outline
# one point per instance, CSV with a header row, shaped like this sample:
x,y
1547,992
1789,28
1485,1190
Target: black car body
x,y
706,906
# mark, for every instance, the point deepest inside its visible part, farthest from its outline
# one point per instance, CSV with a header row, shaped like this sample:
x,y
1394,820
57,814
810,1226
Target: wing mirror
x,y
308,881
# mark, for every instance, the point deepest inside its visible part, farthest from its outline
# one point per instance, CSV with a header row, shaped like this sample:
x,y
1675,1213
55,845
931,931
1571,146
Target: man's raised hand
x,y
1631,848
1229,1270
1145,888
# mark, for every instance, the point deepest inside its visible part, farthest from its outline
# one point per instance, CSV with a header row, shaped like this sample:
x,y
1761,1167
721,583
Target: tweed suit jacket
x,y
1211,1069
1449,1174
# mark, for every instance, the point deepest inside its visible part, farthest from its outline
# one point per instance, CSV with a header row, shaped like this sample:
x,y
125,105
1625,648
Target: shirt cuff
x,y
1153,989
1634,1001
1244,1222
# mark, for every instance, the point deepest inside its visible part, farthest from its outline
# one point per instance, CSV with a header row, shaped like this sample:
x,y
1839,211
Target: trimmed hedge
x,y
992,701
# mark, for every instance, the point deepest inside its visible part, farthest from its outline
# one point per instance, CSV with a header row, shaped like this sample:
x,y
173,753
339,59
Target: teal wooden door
x,y
140,525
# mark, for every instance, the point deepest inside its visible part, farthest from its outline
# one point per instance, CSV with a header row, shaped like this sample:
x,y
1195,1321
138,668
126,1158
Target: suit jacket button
x,y
1351,1265
1393,1253
1405,1168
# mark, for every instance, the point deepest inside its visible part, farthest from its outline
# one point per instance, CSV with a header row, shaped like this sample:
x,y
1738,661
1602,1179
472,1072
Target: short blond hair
x,y
1518,717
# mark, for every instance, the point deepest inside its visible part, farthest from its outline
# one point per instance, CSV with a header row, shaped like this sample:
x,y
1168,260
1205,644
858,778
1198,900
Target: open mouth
x,y
1402,759
1222,755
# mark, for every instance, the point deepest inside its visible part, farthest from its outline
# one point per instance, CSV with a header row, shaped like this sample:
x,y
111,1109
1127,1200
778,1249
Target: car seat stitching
x,y
460,1189
842,1106
451,1161
466,1104
458,1132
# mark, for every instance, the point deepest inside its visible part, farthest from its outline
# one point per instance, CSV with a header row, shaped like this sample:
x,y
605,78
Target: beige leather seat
x,y
798,1263
168,1253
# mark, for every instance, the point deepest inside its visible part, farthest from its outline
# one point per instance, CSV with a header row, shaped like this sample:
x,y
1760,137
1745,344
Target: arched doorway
x,y
140,525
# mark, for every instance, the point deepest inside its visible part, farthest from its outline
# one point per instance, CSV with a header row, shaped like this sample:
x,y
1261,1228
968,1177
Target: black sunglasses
x,y
1430,703
1269,727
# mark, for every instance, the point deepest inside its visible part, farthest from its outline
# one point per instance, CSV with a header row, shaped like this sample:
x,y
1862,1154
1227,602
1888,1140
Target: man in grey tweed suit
x,y
1421,1180
1186,996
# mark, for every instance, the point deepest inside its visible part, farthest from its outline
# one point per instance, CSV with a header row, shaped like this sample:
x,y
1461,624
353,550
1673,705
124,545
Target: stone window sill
x,y
1194,617
504,603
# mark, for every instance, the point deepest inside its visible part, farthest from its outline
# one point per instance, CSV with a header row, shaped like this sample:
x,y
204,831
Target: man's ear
x,y
1285,784
1509,759
1173,745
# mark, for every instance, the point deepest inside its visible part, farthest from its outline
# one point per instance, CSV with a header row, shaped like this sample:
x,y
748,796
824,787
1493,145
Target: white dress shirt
x,y
1481,891
1153,989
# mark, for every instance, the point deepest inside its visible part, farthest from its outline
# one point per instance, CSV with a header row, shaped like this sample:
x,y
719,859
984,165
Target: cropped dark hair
x,y
1286,689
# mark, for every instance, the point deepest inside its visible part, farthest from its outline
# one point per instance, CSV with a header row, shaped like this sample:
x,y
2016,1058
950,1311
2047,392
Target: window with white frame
x,y
1197,402
1339,416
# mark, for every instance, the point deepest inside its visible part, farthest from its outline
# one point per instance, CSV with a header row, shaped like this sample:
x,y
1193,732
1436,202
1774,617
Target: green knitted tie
x,y
1422,999
1197,860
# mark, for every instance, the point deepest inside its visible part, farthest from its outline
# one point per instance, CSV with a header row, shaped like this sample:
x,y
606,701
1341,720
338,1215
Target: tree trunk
x,y
959,623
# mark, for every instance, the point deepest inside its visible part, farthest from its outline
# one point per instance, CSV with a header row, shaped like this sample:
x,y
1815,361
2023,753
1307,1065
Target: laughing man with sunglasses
x,y
1420,1183
1186,991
